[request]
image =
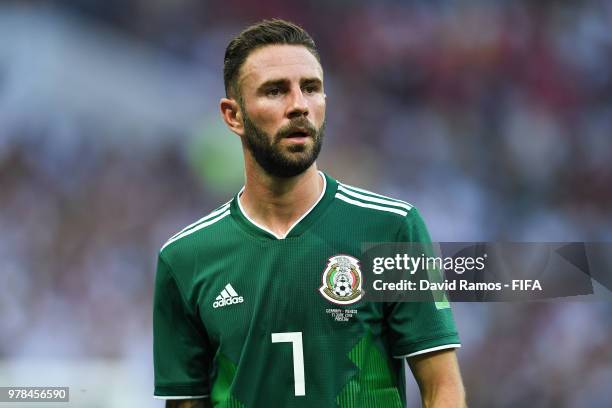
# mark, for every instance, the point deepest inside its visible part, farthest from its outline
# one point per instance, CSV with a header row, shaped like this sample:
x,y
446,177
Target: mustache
x,y
297,125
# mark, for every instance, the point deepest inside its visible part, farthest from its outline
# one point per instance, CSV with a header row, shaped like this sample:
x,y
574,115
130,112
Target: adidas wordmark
x,y
227,297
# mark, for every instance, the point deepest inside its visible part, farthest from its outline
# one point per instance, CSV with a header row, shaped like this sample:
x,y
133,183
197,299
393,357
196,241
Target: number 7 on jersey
x,y
298,358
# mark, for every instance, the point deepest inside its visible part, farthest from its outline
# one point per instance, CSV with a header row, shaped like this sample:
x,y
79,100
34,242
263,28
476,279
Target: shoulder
x,y
378,215
373,204
202,229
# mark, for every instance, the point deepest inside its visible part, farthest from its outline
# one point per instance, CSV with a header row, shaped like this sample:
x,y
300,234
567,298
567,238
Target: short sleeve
x,y
181,355
419,327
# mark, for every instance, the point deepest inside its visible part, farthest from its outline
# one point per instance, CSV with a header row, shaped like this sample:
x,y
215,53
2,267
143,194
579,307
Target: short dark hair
x,y
266,32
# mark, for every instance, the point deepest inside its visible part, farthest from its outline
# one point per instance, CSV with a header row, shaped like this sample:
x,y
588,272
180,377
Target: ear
x,y
232,115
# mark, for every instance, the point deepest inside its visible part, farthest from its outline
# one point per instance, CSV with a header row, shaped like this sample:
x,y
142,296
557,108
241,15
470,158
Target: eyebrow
x,y
281,82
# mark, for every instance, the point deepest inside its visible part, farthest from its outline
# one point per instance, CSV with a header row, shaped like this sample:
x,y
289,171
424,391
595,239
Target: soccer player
x,y
259,303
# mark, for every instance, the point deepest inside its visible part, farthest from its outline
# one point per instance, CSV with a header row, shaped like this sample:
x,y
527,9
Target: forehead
x,y
279,61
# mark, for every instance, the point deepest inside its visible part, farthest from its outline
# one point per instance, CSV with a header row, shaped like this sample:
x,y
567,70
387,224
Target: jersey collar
x,y
308,218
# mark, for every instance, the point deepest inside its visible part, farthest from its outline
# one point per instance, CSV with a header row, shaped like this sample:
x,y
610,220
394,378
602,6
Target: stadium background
x,y
493,117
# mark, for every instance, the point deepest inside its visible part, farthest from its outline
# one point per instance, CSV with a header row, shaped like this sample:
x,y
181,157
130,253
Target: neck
x,y
277,203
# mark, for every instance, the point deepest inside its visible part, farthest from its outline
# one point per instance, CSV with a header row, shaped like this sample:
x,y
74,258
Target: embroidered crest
x,y
341,280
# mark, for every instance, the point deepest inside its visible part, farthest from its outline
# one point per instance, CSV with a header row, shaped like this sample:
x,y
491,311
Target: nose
x,y
298,106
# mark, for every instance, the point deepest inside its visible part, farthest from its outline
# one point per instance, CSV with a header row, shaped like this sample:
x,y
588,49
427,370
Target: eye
x,y
273,92
310,89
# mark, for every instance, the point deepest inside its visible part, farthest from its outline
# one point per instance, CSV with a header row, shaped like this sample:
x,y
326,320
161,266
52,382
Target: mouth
x,y
298,134
297,137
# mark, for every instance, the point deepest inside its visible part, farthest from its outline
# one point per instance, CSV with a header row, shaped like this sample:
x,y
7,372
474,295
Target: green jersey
x,y
249,319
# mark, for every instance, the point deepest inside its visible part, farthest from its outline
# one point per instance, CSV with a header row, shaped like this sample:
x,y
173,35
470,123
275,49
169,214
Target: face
x,y
283,108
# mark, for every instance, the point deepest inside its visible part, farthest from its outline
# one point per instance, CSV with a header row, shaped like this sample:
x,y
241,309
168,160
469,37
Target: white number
x,y
298,358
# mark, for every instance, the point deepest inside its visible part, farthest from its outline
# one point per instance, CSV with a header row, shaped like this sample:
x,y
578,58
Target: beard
x,y
278,160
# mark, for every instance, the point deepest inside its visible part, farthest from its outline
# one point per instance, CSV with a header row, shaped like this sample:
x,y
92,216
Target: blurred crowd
x,y
494,118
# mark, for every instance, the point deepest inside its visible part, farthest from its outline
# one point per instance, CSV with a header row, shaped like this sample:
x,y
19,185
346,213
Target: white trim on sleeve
x,y
172,397
429,350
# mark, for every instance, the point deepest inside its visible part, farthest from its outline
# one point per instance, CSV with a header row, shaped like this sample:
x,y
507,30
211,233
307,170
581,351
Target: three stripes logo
x,y
227,297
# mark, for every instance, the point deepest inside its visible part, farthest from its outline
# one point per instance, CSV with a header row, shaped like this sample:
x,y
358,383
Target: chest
x,y
289,286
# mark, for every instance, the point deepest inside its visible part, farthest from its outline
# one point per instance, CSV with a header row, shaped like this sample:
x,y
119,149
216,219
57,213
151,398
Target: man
x,y
258,304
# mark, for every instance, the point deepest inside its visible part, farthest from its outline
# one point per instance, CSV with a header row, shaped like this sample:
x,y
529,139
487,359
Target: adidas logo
x,y
227,297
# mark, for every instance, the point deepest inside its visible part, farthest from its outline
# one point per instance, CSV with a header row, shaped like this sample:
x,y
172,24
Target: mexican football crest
x,y
341,280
